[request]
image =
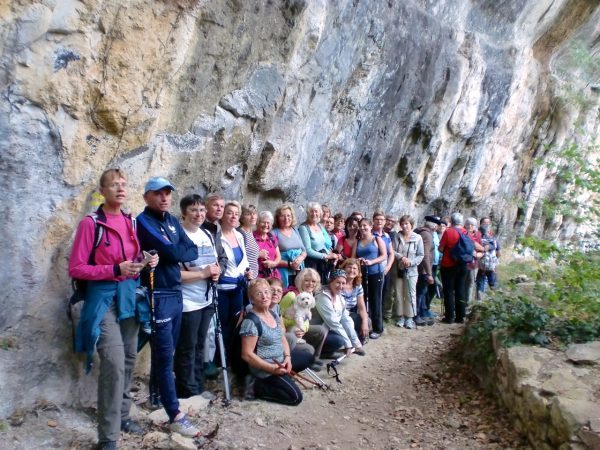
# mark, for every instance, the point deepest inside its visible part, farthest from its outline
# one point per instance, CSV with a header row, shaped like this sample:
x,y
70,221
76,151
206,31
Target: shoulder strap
x,y
256,321
98,232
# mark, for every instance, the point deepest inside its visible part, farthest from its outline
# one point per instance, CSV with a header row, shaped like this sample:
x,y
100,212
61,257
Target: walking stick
x,y
300,379
316,380
332,367
219,338
154,392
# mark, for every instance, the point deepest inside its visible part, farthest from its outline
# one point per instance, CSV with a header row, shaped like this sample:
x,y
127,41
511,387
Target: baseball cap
x,y
158,183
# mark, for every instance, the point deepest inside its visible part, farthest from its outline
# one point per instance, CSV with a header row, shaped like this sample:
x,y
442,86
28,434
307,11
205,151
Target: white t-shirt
x,y
196,294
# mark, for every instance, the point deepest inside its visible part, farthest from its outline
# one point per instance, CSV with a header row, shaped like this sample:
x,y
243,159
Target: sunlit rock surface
x,y
414,106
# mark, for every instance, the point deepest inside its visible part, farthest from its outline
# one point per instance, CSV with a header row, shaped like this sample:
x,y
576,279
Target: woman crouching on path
x,y
267,351
354,297
108,317
335,316
307,280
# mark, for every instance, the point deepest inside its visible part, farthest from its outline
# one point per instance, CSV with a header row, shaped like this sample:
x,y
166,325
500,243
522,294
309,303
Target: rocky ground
x,y
407,392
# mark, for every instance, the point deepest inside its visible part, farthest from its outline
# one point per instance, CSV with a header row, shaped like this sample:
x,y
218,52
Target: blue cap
x,y
158,183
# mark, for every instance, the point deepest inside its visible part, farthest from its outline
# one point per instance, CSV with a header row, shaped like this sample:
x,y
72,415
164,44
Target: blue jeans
x,y
482,277
333,343
422,293
168,305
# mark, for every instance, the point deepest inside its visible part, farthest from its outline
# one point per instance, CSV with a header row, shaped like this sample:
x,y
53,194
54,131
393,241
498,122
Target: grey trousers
x,y
117,347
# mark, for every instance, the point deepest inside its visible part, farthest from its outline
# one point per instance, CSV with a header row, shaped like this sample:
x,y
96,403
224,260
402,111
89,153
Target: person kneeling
x,y
266,351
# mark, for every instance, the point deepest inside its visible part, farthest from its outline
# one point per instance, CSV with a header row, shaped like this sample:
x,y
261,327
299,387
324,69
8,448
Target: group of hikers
x,y
286,296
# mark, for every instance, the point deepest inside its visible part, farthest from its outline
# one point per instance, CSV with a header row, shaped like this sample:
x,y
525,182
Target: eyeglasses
x,y
117,185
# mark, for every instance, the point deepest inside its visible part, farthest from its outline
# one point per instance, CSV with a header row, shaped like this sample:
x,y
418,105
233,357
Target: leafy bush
x,y
561,307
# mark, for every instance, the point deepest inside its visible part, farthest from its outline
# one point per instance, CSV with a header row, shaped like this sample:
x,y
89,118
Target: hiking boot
x,y
315,367
430,321
360,351
409,324
107,445
400,322
447,320
249,388
184,427
131,426
459,320
420,322
374,335
153,402
211,371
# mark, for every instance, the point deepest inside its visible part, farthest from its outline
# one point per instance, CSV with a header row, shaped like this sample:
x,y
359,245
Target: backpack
x,y
489,261
462,252
234,354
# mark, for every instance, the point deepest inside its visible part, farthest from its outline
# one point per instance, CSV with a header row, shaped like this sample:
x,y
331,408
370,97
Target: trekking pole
x,y
367,300
332,367
316,379
219,338
412,306
154,394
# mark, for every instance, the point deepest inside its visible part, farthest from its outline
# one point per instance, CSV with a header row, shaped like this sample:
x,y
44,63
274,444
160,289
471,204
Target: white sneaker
x,y
184,427
400,322
410,324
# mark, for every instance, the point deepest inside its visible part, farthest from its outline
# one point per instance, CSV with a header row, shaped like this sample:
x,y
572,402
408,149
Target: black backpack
x,y
463,251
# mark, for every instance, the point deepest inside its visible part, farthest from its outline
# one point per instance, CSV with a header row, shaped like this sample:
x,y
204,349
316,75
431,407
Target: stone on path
x,y
193,405
158,417
588,353
156,440
179,442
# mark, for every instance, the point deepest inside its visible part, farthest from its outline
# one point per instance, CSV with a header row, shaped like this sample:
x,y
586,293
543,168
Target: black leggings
x,y
373,287
278,389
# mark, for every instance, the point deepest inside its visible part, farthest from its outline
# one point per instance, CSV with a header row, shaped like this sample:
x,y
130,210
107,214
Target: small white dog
x,y
300,311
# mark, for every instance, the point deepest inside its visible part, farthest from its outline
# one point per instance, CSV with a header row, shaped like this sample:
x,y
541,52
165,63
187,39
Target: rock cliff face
x,y
413,106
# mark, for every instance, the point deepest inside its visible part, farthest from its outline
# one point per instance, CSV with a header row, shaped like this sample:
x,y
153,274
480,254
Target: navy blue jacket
x,y
162,232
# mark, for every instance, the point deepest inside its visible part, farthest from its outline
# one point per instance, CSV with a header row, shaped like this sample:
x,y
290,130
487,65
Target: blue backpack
x,y
463,251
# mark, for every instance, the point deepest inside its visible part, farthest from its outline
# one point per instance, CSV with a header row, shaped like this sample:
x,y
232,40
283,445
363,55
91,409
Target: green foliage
x,y
578,183
544,249
576,69
561,306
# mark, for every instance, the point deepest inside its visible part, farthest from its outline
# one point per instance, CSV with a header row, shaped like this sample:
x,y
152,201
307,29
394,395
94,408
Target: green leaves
x,y
562,307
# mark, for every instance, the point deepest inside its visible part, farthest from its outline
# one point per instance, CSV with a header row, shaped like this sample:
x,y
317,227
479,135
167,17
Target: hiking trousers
x,y
279,389
373,287
189,353
453,283
168,306
406,300
117,348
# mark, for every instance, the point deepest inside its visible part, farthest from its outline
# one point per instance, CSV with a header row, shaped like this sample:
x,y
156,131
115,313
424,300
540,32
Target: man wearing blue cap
x,y
158,230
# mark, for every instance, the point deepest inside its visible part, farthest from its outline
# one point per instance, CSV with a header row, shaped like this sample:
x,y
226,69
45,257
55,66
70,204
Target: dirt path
x,y
408,392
